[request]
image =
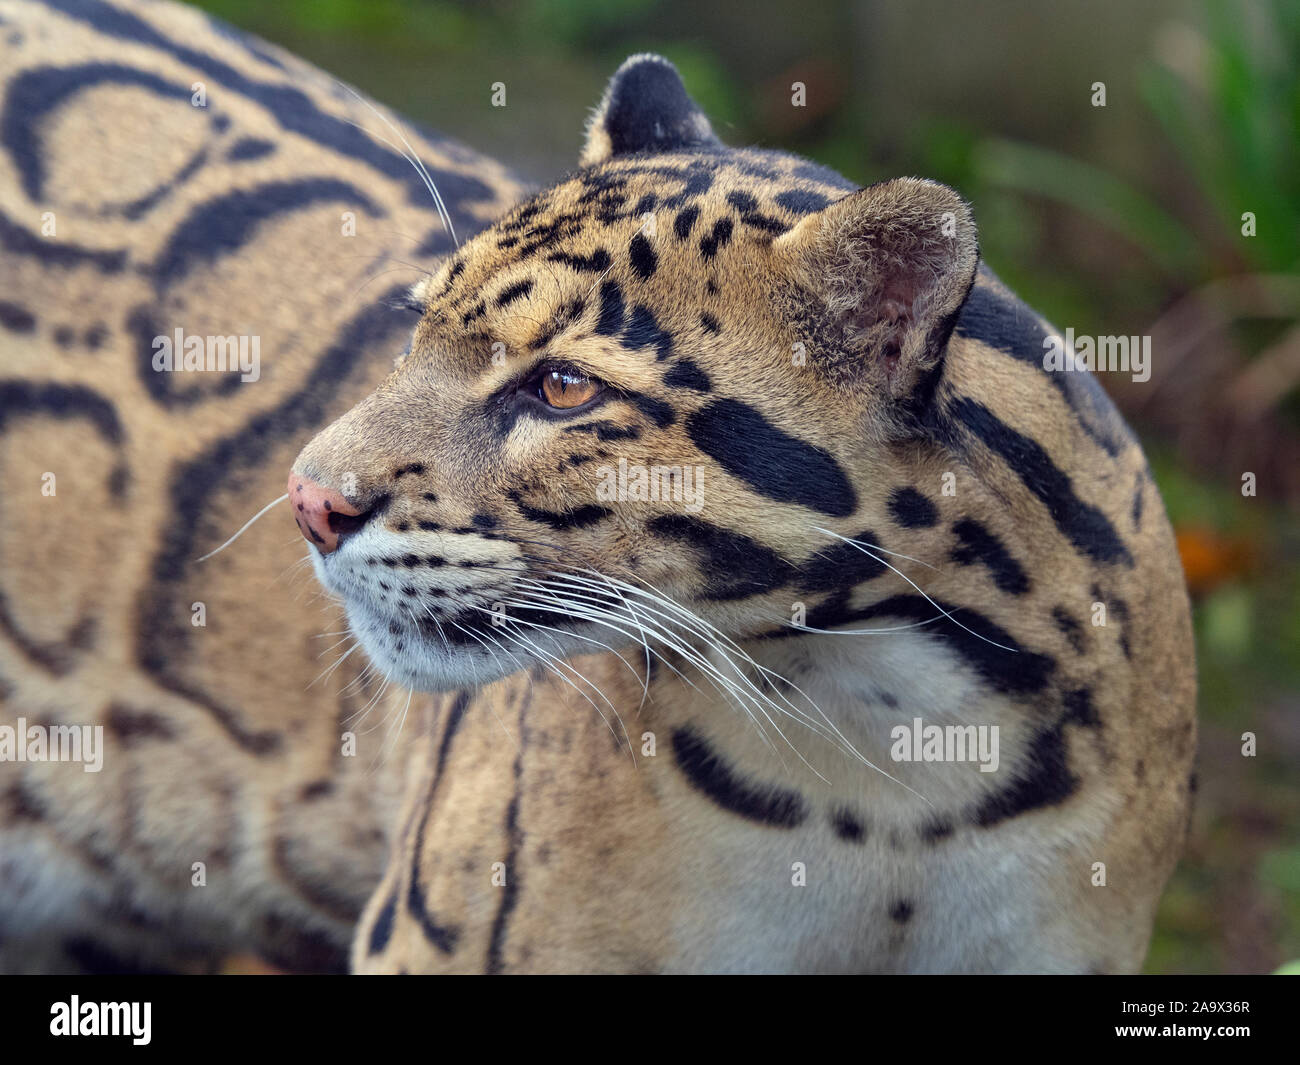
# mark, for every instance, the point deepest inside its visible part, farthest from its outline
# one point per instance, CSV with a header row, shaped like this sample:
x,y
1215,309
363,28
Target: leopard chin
x,y
461,650
469,642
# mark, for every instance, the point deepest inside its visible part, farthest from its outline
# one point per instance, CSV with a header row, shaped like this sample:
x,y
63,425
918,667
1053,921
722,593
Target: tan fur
x,y
96,869
549,822
715,889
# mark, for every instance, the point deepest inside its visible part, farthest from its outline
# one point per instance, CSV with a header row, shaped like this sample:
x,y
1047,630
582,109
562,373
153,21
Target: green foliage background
x,y
1123,219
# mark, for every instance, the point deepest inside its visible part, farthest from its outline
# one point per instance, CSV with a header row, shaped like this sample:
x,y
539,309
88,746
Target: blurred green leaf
x,y
1281,869
1227,621
1108,199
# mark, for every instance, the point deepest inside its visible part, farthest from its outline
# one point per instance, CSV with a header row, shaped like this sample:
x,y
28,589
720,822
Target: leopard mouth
x,y
431,637
466,647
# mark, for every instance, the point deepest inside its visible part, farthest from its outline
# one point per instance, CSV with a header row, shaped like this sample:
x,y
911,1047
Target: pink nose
x,y
322,514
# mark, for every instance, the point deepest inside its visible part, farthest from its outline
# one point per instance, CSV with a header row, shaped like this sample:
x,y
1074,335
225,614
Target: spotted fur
x,y
942,518
223,219
832,359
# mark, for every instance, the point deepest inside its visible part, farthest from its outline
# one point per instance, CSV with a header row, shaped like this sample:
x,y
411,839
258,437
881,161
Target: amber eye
x,y
567,388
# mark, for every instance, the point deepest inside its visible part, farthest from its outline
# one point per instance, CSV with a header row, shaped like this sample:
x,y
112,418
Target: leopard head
x,y
647,404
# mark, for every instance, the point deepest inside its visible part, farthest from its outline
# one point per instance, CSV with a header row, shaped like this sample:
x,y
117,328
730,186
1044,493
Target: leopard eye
x,y
564,389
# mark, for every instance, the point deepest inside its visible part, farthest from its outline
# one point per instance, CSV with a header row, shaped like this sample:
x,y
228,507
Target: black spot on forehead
x,y
747,204
644,259
771,461
766,223
611,309
716,239
521,217
597,262
457,269
546,233
656,410
694,178
686,374
685,221
565,316
802,201
517,291
598,180
643,331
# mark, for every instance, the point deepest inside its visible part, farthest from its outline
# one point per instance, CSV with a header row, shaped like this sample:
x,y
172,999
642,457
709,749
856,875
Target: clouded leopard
x,y
719,580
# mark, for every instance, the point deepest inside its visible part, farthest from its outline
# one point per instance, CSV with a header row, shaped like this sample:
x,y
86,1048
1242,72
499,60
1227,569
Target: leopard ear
x,y
645,109
892,265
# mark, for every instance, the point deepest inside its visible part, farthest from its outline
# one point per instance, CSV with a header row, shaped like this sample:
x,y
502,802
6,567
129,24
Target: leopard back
x,y
160,171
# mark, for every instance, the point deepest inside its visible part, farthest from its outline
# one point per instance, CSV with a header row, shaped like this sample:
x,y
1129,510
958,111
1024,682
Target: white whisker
x,y
413,158
244,528
863,548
